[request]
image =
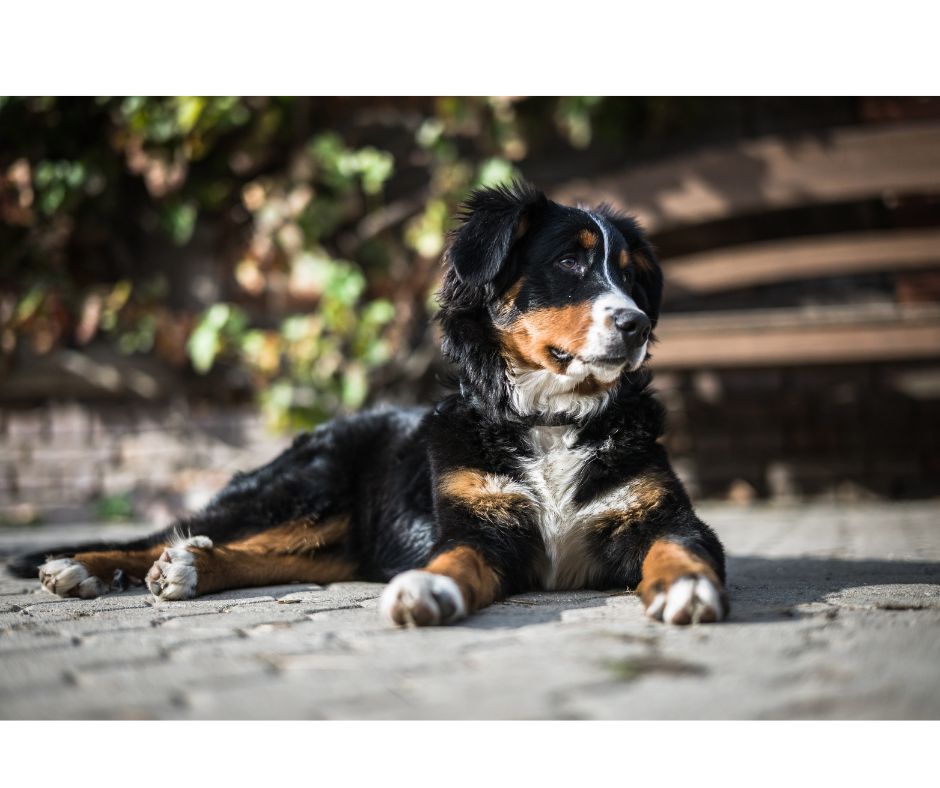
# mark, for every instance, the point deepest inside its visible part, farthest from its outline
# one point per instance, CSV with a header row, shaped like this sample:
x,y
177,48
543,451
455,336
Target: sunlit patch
x,y
587,238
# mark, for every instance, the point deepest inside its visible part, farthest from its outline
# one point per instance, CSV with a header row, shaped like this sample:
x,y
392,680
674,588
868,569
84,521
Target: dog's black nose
x,y
633,324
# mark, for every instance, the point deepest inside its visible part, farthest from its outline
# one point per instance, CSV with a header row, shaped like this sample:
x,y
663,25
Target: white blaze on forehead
x,y
605,267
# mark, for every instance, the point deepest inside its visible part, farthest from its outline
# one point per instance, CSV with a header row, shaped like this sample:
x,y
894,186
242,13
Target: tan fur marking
x,y
510,296
642,262
648,492
295,536
478,582
528,338
222,568
284,554
641,497
624,258
482,494
587,239
665,563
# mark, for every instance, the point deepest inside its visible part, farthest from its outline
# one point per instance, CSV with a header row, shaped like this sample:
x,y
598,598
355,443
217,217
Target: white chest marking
x,y
553,474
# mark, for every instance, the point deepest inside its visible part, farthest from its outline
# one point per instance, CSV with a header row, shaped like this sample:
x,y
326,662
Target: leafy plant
x,y
293,240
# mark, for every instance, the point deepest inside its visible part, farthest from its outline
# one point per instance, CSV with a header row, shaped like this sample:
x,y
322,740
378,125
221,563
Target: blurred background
x,y
185,281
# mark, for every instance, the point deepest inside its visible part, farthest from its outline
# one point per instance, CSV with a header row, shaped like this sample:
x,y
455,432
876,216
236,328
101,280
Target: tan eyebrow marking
x,y
624,258
587,239
642,262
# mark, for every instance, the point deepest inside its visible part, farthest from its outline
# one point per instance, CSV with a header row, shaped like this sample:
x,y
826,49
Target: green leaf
x,y
179,220
29,303
378,312
495,172
217,315
202,347
188,111
355,386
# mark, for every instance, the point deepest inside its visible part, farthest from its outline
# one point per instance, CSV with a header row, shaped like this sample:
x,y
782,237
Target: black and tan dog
x,y
542,472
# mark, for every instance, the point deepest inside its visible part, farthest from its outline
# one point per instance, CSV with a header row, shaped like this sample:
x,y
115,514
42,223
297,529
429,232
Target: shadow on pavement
x,y
762,589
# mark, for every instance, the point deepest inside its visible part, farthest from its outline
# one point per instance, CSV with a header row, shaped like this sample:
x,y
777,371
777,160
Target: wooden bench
x,y
785,337
804,258
772,173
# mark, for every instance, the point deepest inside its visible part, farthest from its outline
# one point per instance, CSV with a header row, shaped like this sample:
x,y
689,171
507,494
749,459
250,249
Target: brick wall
x,y
68,461
830,432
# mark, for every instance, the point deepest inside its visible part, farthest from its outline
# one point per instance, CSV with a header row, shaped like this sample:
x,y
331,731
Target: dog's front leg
x,y
652,541
458,581
488,545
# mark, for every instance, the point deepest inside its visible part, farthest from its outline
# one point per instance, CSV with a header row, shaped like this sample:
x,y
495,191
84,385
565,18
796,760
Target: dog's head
x,y
559,302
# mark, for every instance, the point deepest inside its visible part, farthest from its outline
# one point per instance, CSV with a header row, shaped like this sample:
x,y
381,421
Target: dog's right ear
x,y
493,220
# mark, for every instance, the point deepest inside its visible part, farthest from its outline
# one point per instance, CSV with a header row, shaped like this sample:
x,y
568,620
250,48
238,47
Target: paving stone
x,y
835,614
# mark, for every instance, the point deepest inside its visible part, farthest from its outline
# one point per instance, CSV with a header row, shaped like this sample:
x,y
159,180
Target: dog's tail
x,y
27,564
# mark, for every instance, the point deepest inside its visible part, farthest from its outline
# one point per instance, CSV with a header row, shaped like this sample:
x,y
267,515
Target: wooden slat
x,y
804,258
772,173
789,337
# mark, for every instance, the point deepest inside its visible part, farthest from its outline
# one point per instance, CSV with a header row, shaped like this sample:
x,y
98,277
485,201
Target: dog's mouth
x,y
610,362
607,361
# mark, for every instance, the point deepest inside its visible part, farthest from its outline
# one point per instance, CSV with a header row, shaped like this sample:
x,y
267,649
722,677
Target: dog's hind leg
x,y
282,522
298,551
93,573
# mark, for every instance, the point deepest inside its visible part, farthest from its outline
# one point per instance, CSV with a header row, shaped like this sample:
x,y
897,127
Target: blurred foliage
x,y
115,508
287,243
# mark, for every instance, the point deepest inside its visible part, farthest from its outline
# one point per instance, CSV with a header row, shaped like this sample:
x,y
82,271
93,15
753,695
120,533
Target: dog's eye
x,y
571,265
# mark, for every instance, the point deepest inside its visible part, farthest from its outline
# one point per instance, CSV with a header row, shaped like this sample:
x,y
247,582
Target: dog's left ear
x,y
493,220
648,289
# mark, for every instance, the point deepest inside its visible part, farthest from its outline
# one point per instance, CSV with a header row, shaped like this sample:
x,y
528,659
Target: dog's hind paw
x,y
68,577
422,599
174,576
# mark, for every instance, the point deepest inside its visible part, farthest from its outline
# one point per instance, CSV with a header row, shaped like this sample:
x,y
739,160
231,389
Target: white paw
x,y
67,577
173,576
422,599
689,600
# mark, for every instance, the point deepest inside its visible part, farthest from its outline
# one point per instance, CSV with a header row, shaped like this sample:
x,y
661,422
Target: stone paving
x,y
836,614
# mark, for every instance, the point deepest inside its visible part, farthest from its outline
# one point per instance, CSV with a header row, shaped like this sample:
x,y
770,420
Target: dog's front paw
x,y
689,599
422,599
174,576
68,577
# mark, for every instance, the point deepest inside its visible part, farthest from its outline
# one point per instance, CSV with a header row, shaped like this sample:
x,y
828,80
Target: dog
x,y
542,470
